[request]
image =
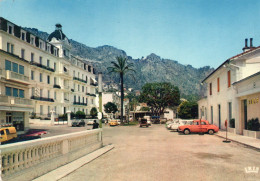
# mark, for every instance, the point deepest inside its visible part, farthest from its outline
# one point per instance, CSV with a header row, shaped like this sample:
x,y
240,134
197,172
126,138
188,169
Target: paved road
x,y
155,153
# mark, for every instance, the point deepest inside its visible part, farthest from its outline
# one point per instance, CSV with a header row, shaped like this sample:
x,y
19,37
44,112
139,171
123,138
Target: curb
x,y
246,145
65,170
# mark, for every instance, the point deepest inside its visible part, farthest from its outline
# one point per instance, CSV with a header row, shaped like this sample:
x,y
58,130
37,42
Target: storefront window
x,y
8,91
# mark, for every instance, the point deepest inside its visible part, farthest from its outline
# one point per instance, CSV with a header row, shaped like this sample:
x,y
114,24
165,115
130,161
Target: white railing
x,y
22,101
15,100
4,99
14,75
33,158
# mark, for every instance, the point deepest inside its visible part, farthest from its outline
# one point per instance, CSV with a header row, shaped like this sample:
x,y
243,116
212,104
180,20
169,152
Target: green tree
x,y
110,107
93,112
188,110
145,109
160,96
80,115
121,67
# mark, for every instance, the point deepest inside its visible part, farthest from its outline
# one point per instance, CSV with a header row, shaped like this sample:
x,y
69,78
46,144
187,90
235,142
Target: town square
x,y
129,90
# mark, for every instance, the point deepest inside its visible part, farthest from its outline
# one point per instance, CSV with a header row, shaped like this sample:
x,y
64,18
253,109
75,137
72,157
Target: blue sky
x,y
195,32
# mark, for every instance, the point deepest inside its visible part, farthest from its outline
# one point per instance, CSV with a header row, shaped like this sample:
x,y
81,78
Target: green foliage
x,y
188,110
232,123
160,96
145,109
93,112
121,67
110,107
191,97
253,124
63,117
80,115
72,115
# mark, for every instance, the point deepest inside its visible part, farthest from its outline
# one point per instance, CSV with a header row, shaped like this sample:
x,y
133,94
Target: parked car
x,y
90,122
143,122
78,123
178,123
7,133
198,126
163,120
35,132
149,122
169,124
113,123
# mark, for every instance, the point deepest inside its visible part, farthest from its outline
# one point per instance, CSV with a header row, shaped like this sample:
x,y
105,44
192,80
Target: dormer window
x,y
32,40
40,45
55,52
10,29
48,48
23,36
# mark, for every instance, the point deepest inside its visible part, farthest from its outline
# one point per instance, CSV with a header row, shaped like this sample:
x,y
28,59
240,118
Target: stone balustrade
x,y
30,159
17,76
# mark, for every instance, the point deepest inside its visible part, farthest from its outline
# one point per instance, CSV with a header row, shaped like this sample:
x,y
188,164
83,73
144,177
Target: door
x,y
195,128
219,116
245,113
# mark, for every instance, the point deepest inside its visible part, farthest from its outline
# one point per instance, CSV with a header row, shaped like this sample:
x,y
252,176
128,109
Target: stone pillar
x,y
52,117
69,118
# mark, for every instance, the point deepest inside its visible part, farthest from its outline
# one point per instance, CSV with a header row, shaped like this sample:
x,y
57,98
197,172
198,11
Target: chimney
x,y
251,43
246,47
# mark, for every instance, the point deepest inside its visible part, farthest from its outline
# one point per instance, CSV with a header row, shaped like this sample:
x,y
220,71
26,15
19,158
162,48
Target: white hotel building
x,y
38,76
233,91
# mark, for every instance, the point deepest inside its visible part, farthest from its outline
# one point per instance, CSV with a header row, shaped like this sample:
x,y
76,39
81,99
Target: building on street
x,y
39,76
233,91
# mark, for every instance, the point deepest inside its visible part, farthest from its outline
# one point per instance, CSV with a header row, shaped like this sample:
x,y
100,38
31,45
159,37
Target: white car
x,y
169,123
90,122
176,125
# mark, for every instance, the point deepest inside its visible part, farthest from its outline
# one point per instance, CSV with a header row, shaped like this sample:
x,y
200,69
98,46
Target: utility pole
x,y
100,97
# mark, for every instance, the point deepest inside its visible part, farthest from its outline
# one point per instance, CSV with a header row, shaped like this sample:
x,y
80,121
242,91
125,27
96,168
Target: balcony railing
x,y
56,86
42,98
80,103
78,79
4,99
10,75
94,84
42,66
24,101
66,87
93,95
66,100
15,100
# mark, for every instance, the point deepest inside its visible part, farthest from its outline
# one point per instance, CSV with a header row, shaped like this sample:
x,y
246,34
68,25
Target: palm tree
x,y
121,67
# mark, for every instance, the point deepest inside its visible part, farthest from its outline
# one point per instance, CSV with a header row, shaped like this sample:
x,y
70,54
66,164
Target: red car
x,y
198,126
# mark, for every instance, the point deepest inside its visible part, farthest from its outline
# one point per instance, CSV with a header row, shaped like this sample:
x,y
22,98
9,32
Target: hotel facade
x,y
233,92
40,76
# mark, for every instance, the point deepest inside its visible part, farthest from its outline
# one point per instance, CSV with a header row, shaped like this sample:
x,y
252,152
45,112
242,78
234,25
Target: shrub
x,y
253,124
80,115
232,123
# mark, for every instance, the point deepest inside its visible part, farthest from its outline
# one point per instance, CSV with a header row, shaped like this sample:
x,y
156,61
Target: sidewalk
x,y
244,140
70,167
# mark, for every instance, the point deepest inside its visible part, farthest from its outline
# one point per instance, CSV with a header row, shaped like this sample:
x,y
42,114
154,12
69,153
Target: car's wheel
x,y
211,132
186,131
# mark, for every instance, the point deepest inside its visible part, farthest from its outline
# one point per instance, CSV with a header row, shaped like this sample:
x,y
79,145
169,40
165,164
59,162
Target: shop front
x,y
248,93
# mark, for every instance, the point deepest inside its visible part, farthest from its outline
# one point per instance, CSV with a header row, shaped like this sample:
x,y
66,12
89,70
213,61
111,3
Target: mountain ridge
x,y
151,68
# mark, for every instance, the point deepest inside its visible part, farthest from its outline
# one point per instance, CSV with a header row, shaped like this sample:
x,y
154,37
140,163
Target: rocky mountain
x,y
148,69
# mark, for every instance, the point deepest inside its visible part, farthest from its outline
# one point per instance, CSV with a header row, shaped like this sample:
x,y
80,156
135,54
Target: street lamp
x,y
100,98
